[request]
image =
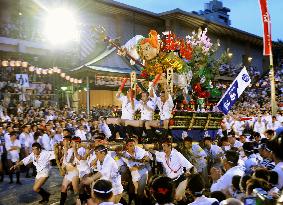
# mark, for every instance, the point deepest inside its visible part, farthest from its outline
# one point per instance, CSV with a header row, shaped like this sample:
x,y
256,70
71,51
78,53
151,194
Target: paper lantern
x,y
59,70
25,64
67,77
50,71
31,68
55,69
44,72
71,80
80,81
5,63
12,63
63,75
18,63
38,71
75,81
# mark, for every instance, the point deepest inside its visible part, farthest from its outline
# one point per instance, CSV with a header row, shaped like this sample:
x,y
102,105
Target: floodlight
x,y
61,26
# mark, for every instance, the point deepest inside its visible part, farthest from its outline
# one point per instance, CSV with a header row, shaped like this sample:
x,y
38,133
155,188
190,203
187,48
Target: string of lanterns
x,y
39,71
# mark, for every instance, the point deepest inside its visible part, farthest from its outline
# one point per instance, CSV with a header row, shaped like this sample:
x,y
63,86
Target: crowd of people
x,y
112,157
243,163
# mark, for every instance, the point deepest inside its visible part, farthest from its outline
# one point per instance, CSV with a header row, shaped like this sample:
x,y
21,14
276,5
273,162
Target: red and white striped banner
x,y
267,40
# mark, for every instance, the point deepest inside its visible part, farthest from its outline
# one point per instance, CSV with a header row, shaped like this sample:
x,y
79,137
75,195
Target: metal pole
x,y
87,96
272,84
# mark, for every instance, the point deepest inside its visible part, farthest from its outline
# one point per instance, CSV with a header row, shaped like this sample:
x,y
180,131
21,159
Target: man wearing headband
x,y
107,170
195,154
163,190
174,163
41,160
129,107
214,152
13,155
102,193
165,105
137,160
266,153
71,174
252,160
146,107
81,153
224,183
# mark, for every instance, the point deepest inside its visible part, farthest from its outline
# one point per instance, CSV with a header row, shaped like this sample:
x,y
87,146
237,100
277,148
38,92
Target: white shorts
x,y
83,173
117,189
42,173
136,175
70,175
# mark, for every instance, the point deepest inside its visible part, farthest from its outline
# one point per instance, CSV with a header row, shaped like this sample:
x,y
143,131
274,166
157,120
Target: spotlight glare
x,y
61,26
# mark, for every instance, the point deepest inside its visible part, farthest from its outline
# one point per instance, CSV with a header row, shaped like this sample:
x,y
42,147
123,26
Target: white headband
x,y
103,192
105,149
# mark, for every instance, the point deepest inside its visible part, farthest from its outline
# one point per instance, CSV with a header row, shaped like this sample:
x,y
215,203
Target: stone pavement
x,y
14,194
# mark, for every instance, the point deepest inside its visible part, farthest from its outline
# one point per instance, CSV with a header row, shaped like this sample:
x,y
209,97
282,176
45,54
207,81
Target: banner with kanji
x,y
234,91
267,40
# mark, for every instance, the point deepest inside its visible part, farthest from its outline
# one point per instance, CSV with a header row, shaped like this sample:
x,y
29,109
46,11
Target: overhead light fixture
x,y
250,59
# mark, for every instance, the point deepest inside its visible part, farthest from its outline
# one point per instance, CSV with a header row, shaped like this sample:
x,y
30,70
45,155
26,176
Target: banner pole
x,y
272,84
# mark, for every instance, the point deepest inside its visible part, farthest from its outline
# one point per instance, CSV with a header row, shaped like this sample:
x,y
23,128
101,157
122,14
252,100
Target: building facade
x,y
123,22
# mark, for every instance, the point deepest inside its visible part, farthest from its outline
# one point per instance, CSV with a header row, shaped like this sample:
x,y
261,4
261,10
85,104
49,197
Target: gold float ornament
x,y
160,63
133,80
170,79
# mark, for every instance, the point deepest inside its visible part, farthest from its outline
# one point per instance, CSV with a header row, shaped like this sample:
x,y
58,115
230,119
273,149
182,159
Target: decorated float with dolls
x,y
186,67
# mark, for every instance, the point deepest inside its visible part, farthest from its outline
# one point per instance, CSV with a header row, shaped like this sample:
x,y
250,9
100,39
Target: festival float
x,y
186,66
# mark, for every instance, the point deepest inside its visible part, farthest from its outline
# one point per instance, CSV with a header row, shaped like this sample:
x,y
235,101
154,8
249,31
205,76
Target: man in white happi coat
x,y
13,155
137,160
107,169
146,106
224,182
129,107
174,163
68,169
165,105
41,160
